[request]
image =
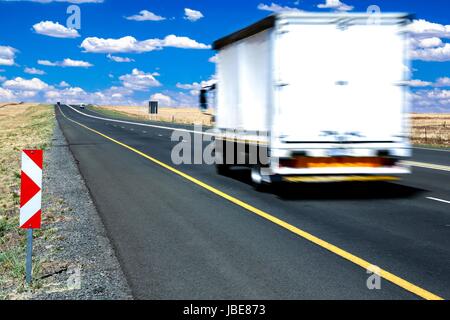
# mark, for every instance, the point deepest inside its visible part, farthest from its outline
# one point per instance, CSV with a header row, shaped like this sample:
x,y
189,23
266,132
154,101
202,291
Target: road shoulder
x,y
80,261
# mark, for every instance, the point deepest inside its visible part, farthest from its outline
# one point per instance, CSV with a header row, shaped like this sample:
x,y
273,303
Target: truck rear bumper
x,y
381,171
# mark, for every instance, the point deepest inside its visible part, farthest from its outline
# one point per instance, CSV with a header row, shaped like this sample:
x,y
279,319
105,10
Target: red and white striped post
x,y
30,199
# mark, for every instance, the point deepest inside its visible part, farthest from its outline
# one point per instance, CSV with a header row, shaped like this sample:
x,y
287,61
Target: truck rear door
x,y
339,82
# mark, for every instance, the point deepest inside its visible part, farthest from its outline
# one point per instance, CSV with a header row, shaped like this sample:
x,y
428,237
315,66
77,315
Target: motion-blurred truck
x,y
318,97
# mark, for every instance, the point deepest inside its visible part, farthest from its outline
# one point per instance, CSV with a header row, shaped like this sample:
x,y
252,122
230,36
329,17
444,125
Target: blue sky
x,y
42,60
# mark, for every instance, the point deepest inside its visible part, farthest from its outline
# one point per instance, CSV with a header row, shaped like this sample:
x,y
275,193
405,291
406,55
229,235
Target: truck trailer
x,y
319,98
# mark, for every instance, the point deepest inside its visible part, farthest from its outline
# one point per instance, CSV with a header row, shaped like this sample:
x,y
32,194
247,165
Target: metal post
x,y
29,255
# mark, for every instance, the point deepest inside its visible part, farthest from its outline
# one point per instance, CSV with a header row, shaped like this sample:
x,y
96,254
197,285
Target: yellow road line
x,y
326,245
427,165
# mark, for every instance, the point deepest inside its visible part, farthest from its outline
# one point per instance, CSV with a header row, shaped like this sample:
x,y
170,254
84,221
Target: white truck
x,y
324,95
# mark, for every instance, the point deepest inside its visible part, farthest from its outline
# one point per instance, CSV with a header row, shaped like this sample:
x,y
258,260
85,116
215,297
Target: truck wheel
x,y
223,169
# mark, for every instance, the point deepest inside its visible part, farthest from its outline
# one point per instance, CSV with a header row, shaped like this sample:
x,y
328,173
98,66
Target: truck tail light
x,y
327,162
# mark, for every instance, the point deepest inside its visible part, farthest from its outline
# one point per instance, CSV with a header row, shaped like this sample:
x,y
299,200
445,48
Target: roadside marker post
x,y
30,199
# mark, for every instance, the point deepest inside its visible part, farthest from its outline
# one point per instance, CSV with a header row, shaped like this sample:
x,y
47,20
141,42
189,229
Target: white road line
x,y
140,124
432,149
437,199
427,165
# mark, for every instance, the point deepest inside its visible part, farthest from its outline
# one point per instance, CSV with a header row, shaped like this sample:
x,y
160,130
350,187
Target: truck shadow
x,y
334,191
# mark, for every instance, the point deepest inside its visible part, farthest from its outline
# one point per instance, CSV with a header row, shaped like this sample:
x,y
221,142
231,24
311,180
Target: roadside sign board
x,y
30,189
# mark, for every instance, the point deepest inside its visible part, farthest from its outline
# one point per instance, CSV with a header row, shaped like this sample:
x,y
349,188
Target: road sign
x,y
30,199
30,189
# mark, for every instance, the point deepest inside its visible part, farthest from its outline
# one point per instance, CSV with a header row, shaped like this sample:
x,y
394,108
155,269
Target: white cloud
x,y
192,15
335,5
273,7
214,59
424,28
139,80
66,63
182,42
145,15
73,95
130,44
195,87
426,42
7,55
54,29
443,82
119,59
441,53
125,44
33,71
19,83
6,95
63,84
440,82
419,83
162,99
435,100
2,78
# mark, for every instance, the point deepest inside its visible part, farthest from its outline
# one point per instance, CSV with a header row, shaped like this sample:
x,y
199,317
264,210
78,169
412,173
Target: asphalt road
x,y
176,239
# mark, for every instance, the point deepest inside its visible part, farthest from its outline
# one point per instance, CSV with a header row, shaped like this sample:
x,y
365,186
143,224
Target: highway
x,y
184,232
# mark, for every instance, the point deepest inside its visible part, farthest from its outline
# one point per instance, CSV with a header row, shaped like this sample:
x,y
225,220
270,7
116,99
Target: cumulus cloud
x,y
74,95
145,15
440,82
7,55
54,29
419,83
196,86
66,63
214,59
274,7
192,15
435,100
424,28
33,71
119,59
63,84
130,44
441,53
139,80
163,100
19,83
335,5
6,95
443,82
426,42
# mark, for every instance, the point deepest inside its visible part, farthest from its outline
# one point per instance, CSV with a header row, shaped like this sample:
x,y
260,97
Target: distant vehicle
x,y
82,106
323,94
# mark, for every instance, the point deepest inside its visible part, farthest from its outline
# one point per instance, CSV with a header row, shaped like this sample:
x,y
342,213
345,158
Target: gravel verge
x,y
77,259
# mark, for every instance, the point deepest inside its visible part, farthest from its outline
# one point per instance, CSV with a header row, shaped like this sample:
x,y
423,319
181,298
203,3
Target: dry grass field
x,y
431,129
176,115
22,126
